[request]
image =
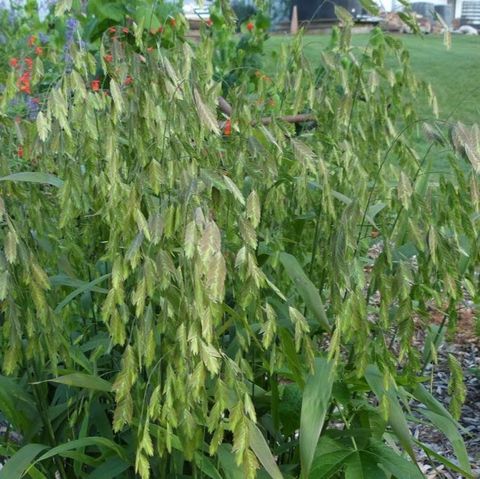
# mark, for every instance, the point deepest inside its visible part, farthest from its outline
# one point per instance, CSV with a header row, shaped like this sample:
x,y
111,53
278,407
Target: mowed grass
x,y
454,74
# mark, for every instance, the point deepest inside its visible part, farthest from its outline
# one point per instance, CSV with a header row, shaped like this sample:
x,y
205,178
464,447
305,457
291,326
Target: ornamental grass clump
x,y
189,295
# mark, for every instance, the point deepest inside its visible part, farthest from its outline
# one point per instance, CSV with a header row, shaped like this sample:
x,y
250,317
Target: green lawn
x,y
454,74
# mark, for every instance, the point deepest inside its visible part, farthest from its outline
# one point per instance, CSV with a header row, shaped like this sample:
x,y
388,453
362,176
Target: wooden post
x,y
294,22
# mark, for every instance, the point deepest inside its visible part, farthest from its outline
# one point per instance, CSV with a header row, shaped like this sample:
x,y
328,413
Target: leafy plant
x,y
183,299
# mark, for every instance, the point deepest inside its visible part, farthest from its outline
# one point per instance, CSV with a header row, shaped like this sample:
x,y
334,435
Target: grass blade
x,y
19,462
305,288
86,287
34,177
84,381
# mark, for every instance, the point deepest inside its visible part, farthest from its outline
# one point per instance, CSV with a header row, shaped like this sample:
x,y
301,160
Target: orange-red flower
x,y
172,22
38,51
20,151
95,85
227,129
125,30
128,80
250,26
108,58
24,83
29,62
31,40
209,22
13,62
112,30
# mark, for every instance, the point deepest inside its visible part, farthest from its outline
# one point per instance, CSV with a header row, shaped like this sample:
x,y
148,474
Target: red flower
x,y
20,151
160,30
108,58
38,51
29,62
227,129
209,22
24,83
125,30
95,85
14,62
250,26
172,22
36,100
31,40
128,80
112,30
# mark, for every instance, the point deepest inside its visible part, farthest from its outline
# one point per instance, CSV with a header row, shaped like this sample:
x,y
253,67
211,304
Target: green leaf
x,y
316,398
34,177
110,469
16,466
259,446
86,287
396,465
449,427
360,465
330,457
226,459
64,280
86,381
396,418
100,442
443,460
370,6
18,406
205,464
305,288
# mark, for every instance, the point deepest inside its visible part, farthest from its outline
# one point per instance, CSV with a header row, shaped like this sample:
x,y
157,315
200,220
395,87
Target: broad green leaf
x,y
330,457
361,465
86,381
259,446
305,288
316,399
396,417
34,177
16,466
400,467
